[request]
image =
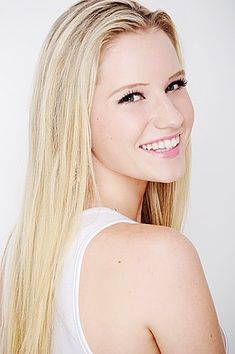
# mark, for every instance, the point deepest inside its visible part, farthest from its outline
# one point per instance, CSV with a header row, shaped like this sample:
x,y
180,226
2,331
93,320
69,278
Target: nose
x,y
165,115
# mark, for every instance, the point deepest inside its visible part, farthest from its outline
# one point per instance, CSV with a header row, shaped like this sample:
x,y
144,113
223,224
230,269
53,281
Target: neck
x,y
119,192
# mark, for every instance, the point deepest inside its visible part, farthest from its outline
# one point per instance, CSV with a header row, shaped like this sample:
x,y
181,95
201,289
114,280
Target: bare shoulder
x,y
148,282
176,301
154,238
153,244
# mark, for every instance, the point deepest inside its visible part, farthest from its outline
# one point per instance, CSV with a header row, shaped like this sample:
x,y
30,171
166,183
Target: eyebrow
x,y
181,72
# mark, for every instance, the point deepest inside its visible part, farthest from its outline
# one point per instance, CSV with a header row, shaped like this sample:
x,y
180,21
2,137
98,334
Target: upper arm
x,y
179,307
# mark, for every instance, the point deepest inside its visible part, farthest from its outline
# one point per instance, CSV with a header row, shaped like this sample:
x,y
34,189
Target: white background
x,y
207,35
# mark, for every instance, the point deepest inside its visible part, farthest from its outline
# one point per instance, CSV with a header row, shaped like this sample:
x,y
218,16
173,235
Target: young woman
x,y
97,262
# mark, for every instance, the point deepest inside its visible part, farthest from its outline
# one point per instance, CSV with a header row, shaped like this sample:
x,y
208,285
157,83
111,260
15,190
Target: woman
x,y
97,262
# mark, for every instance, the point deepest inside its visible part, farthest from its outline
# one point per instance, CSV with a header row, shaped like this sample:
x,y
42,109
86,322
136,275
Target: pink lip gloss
x,y
165,154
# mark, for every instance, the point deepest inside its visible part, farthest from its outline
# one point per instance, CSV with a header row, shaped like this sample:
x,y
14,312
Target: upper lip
x,y
169,137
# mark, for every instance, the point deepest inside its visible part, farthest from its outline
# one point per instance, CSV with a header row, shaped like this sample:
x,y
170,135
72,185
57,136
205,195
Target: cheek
x,y
101,125
101,131
184,105
120,126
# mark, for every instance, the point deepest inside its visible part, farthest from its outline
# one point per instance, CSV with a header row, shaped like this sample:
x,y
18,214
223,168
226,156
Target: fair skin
x,y
118,129
142,287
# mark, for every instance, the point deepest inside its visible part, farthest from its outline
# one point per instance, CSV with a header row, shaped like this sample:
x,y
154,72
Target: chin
x,y
168,178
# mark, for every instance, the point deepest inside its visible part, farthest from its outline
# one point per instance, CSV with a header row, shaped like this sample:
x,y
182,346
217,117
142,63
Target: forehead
x,y
131,55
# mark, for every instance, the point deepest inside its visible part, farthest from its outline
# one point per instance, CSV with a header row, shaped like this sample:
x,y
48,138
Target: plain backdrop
x,y
207,35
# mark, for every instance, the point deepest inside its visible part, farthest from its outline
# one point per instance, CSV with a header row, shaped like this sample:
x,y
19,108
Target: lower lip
x,y
165,154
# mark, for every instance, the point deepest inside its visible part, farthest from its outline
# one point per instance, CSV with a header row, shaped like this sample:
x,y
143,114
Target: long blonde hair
x,y
60,177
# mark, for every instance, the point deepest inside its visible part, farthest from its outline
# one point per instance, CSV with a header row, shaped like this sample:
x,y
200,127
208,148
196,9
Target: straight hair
x,y
60,178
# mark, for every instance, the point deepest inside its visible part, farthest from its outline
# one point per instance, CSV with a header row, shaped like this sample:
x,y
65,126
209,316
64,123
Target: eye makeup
x,y
128,97
181,83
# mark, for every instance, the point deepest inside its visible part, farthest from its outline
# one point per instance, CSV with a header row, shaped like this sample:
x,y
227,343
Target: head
x,y
93,49
84,123
141,98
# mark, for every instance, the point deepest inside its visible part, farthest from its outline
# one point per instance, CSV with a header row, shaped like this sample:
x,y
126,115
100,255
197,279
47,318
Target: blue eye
x,y
132,97
176,85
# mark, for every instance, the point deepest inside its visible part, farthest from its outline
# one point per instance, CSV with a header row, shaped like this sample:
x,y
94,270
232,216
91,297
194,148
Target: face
x,y
140,99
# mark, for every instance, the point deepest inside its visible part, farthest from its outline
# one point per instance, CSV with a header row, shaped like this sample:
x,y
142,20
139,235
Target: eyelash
x,y
130,94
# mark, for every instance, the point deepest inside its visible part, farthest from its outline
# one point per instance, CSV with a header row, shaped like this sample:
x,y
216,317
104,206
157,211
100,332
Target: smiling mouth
x,y
162,145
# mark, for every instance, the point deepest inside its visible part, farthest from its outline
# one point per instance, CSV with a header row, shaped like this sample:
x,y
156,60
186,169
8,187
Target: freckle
x,y
211,335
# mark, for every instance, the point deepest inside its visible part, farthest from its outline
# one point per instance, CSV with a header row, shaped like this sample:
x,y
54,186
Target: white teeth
x,y
155,146
173,142
162,144
168,144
